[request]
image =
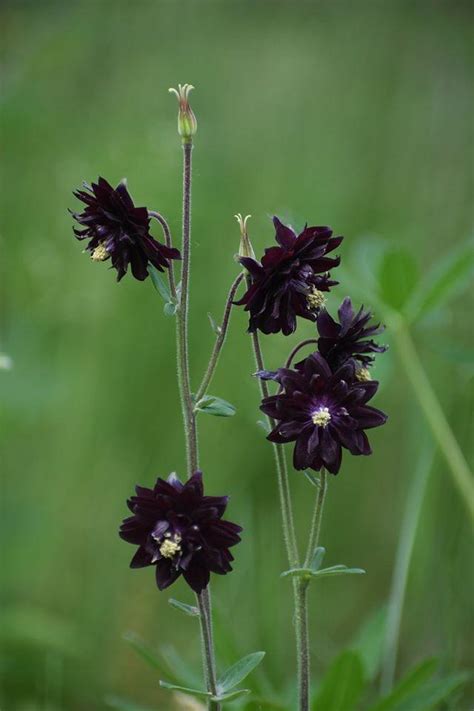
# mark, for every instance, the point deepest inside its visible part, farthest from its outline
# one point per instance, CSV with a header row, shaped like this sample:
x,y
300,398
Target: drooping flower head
x,y
350,338
119,231
322,412
180,531
290,279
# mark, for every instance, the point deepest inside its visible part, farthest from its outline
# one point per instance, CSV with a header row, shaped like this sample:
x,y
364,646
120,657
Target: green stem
x,y
433,412
189,416
220,340
409,527
203,601
169,243
317,517
187,404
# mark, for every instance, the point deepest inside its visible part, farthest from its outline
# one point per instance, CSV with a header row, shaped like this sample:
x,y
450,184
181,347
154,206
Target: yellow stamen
x,y
321,417
100,253
363,375
315,299
170,547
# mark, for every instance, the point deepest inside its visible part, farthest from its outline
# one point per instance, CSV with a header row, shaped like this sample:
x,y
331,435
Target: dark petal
x,y
139,264
197,575
346,314
122,191
252,266
222,534
133,531
284,235
160,528
166,573
141,558
175,481
301,457
289,430
194,483
368,417
327,327
166,488
276,437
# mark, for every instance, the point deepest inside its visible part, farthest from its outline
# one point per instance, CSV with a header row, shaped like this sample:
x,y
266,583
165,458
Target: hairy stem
x,y
189,416
169,243
220,340
433,412
408,531
204,606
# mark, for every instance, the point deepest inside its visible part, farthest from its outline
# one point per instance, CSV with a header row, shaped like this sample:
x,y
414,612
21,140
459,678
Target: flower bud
x,y
245,249
187,124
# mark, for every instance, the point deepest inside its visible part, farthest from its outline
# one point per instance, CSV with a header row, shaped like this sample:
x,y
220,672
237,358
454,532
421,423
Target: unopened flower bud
x,y
245,249
187,124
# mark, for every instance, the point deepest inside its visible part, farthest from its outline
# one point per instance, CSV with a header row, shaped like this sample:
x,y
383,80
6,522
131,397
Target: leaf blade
x,y
239,671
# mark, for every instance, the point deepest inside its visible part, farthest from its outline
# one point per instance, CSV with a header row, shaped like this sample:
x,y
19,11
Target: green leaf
x,y
398,277
170,308
159,283
446,279
407,686
338,570
215,327
187,609
342,686
231,695
317,558
433,692
185,690
312,478
216,406
150,656
264,425
369,640
238,671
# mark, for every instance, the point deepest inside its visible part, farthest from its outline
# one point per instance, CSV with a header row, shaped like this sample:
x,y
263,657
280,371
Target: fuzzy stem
x,y
433,412
220,340
204,606
169,244
408,530
189,417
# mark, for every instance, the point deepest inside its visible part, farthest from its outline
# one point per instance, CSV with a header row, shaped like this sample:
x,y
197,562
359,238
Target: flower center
x,y
315,299
321,417
363,375
100,253
170,546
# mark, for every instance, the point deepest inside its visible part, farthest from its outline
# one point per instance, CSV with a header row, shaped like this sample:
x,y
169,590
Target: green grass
x,y
352,114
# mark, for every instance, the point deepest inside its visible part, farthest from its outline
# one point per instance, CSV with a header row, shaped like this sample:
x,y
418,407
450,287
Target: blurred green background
x,y
354,114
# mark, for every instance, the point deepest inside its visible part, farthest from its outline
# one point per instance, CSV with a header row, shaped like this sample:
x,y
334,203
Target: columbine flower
x,y
118,230
351,338
180,531
291,278
322,412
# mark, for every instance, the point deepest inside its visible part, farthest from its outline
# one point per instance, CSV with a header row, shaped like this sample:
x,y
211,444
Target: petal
x,y
284,235
197,575
166,573
141,558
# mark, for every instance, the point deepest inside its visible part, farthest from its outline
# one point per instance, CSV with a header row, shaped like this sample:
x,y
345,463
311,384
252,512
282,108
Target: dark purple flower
x,y
351,338
322,412
180,531
290,279
118,230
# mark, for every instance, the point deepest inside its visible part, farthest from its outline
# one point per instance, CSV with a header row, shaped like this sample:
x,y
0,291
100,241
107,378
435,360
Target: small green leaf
x,y
185,690
264,425
446,279
170,308
231,695
342,686
238,671
338,570
407,686
317,558
312,478
159,283
187,609
398,277
216,406
217,329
